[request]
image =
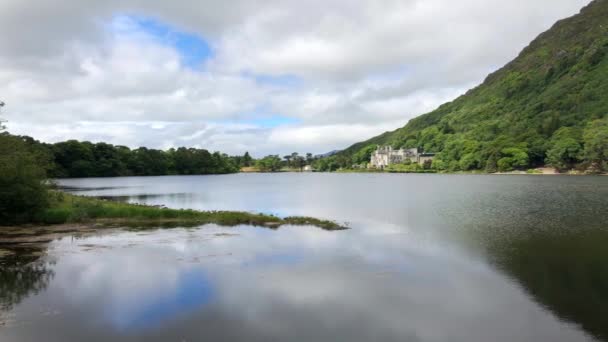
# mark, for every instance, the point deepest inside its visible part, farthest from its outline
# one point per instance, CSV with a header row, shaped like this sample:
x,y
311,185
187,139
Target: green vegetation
x,y
409,168
85,159
546,107
67,208
76,159
25,196
295,161
269,164
291,162
23,193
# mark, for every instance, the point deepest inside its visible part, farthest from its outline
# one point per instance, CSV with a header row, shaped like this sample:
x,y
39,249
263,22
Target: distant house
x,y
308,168
386,155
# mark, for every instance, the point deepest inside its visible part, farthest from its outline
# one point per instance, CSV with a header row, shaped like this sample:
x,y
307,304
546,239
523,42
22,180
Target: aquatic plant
x,y
68,208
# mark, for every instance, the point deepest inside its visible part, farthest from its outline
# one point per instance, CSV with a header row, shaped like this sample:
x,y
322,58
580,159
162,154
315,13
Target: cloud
x,y
336,72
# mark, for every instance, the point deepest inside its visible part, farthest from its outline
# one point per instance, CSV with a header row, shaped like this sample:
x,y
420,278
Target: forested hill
x,y
548,106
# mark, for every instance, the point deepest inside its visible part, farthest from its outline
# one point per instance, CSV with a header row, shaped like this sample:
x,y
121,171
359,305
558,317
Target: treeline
x,y
273,163
85,159
27,164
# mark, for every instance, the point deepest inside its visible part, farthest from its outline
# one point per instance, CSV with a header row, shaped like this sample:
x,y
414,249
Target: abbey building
x,y
386,155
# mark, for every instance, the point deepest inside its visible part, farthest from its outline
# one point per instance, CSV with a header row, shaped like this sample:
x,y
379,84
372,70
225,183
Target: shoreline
x,y
545,171
68,210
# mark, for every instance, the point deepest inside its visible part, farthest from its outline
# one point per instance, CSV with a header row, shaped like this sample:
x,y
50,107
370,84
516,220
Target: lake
x,y
427,258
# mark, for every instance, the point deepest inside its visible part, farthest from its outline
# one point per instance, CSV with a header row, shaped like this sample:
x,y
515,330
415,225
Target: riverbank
x,y
253,169
71,209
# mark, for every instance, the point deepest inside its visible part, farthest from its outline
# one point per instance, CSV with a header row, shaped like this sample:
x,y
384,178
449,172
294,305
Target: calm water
x,y
428,258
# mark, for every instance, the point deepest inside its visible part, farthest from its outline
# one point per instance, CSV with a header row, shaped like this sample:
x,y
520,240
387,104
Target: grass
x,y
534,172
67,208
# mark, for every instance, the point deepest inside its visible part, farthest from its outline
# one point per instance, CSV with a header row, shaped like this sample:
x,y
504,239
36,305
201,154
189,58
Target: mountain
x,y
547,106
327,154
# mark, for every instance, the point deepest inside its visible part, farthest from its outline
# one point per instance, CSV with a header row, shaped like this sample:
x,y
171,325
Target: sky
x,y
268,77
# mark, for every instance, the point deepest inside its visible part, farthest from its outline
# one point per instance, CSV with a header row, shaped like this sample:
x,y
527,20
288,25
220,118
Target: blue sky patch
x,y
263,121
272,121
194,290
274,80
263,116
193,49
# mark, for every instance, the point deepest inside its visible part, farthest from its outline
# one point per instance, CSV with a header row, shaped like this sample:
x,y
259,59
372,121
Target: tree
x,y
271,163
595,138
247,160
295,157
23,192
438,164
2,121
287,160
513,158
364,155
468,162
83,159
564,149
309,158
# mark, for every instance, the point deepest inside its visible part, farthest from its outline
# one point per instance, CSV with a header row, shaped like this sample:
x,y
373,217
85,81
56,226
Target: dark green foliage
x,y
23,193
269,164
84,159
565,149
595,138
342,161
509,122
364,155
56,216
244,161
295,161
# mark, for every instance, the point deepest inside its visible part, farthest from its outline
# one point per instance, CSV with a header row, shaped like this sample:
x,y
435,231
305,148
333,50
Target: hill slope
x,y
548,106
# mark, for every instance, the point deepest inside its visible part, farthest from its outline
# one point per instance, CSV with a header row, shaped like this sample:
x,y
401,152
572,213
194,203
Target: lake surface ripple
x,y
428,258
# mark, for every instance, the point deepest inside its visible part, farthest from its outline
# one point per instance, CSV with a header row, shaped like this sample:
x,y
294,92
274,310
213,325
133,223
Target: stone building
x,y
386,155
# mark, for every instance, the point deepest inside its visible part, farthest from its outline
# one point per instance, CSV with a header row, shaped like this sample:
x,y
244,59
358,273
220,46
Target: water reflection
x,y
183,200
20,280
296,283
563,270
428,258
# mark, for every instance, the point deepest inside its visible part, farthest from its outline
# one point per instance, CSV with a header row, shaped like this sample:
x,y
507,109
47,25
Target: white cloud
x,y
89,71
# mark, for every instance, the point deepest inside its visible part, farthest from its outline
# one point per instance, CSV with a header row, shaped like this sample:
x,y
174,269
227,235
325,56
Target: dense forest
x,y
85,159
549,106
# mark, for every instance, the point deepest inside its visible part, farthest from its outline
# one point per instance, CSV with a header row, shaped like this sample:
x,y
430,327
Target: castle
x,y
386,155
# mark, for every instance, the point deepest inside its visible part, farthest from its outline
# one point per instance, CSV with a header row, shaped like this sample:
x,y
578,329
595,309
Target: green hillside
x,y
548,106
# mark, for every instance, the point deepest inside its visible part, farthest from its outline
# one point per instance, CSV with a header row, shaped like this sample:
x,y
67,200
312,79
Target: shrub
x,y
23,192
595,137
55,216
